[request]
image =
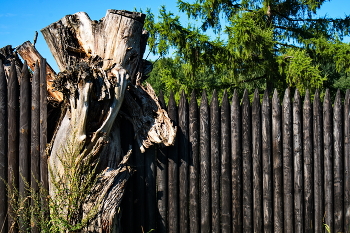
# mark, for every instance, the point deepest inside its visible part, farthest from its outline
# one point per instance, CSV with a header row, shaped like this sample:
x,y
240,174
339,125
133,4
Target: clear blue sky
x,y
20,19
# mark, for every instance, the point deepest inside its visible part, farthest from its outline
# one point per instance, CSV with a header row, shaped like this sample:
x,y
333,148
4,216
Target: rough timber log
x,y
101,67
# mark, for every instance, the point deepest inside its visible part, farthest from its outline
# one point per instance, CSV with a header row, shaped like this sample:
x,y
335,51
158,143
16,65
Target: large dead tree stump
x,y
101,67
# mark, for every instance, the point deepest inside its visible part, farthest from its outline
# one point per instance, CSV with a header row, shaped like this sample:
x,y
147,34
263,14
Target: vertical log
x,y
3,147
162,182
347,161
24,139
308,164
128,216
338,164
328,160
194,165
215,162
266,132
225,182
257,164
183,163
298,164
205,165
287,163
318,159
12,164
277,164
35,140
236,150
150,189
173,161
247,173
140,223
43,126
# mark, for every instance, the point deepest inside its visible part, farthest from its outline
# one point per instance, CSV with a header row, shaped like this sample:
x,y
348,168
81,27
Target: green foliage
x,y
72,188
249,44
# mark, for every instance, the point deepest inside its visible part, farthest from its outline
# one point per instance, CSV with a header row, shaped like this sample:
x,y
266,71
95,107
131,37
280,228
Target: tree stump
x,y
101,68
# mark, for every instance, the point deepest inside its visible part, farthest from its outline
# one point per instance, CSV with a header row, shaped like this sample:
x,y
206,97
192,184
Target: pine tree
x,y
253,44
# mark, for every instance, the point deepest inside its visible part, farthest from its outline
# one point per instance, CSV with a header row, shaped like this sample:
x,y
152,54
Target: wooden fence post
x,y
3,147
266,132
277,164
318,158
194,202
13,105
215,162
205,165
162,183
35,138
257,164
308,164
226,178
183,136
150,189
338,164
347,161
173,161
328,160
288,203
298,164
236,159
247,173
43,127
24,141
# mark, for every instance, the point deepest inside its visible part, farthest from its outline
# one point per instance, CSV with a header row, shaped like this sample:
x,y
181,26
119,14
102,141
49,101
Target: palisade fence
x,y
264,166
23,136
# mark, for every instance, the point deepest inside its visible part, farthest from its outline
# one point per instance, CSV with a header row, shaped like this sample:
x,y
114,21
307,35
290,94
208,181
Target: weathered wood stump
x,y
101,67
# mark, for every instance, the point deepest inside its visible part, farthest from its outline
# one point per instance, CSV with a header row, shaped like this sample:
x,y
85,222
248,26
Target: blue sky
x,y
20,19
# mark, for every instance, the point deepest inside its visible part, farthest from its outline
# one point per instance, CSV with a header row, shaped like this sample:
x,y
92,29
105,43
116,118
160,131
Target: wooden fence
x,y
23,138
263,166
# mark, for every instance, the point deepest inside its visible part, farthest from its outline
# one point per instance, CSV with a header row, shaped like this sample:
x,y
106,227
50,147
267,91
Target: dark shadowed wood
x,y
35,134
328,160
194,201
24,139
308,164
183,163
277,164
215,161
12,164
266,133
43,126
318,163
204,164
236,150
150,189
338,164
3,145
140,218
173,182
288,202
162,182
247,173
257,164
347,160
225,182
298,164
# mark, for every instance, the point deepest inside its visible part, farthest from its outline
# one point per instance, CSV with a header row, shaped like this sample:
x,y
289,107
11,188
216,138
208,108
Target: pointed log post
x,y
98,61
